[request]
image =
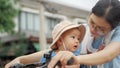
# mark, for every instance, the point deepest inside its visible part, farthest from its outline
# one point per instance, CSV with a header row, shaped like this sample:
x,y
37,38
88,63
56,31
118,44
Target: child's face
x,y
71,39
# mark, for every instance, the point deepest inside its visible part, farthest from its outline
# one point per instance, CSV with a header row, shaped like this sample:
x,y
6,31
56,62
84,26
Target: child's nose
x,y
77,41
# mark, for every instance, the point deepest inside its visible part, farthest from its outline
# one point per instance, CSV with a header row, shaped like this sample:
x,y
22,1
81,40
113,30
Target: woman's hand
x,y
63,57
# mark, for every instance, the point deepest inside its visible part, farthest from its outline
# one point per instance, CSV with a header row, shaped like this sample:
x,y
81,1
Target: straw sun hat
x,y
63,26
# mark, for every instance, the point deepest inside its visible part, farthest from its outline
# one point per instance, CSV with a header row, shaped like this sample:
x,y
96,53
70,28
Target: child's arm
x,y
26,59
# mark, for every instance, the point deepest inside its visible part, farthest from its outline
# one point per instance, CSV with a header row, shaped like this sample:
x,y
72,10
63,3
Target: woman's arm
x,y
107,54
26,59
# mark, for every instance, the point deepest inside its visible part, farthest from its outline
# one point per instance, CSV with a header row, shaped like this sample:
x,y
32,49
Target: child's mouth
x,y
75,46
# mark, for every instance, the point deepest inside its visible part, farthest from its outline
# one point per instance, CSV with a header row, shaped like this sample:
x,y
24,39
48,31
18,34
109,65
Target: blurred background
x,y
26,25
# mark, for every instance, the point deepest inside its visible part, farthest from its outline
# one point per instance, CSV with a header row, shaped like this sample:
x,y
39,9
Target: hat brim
x,y
82,31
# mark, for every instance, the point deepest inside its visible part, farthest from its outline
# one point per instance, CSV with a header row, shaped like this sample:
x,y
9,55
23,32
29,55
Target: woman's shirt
x,y
115,63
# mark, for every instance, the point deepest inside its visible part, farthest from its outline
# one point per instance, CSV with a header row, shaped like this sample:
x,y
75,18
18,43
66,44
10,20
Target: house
x,y
38,17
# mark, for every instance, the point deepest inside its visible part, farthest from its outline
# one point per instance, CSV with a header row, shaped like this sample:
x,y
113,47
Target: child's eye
x,y
79,39
73,37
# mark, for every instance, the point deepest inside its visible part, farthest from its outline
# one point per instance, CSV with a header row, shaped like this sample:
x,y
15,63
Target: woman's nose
x,y
93,29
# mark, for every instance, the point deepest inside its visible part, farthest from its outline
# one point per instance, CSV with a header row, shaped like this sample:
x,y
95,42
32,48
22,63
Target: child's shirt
x,y
42,60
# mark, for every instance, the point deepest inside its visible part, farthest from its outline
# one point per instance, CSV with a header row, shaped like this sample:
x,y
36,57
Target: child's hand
x,y
12,63
63,57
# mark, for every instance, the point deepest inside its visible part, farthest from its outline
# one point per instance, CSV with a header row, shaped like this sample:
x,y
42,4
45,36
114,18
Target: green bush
x,y
7,15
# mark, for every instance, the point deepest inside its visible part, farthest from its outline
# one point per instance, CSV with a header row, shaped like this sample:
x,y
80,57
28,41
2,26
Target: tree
x,y
7,15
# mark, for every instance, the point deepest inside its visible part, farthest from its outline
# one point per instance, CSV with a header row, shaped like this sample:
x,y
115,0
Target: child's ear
x,y
60,41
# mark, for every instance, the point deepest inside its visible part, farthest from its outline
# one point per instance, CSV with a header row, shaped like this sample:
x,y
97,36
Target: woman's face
x,y
98,25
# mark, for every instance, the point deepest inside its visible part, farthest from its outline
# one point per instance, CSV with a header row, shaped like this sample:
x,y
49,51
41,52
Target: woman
x,y
102,41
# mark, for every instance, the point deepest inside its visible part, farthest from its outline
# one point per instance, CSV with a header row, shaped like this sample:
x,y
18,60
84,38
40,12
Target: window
x,y
23,21
51,22
29,21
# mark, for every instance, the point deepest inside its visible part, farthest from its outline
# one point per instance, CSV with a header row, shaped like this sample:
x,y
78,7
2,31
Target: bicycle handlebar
x,y
40,65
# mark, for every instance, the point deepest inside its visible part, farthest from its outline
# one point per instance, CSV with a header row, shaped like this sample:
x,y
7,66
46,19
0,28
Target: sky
x,y
80,4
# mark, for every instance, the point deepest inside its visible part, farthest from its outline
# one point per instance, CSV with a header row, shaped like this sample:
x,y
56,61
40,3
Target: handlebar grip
x,y
34,65
18,65
70,62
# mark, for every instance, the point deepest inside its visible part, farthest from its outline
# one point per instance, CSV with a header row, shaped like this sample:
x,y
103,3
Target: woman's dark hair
x,y
110,10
